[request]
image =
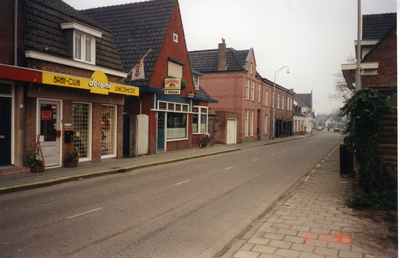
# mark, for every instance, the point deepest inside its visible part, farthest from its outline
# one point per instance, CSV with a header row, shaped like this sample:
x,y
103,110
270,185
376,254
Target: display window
x,y
82,127
176,125
108,131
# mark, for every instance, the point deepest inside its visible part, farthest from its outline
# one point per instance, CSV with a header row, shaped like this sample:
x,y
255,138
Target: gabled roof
x,y
305,98
375,26
207,60
136,28
43,32
393,27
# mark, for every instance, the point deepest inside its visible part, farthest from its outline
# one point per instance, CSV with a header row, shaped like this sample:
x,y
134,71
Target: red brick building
x,y
379,72
60,83
245,98
177,118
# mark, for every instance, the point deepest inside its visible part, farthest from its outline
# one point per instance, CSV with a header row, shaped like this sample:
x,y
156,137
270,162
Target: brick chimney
x,y
222,55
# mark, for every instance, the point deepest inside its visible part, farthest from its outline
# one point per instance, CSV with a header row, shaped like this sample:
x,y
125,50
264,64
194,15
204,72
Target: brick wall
x,y
96,132
30,126
386,55
7,32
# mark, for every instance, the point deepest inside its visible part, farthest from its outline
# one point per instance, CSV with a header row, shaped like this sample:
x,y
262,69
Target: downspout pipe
x,y
16,34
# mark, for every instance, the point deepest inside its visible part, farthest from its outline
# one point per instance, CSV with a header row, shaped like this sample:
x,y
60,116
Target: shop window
x,y
108,131
200,120
176,125
81,125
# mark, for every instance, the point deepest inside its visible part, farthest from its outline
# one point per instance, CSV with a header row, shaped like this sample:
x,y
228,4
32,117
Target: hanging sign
x,y
172,86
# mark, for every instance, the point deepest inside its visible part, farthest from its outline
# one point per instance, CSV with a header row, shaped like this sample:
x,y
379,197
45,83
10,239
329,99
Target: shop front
x,y
63,112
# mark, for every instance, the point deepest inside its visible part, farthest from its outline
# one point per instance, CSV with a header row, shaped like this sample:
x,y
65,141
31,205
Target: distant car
x,y
319,128
336,129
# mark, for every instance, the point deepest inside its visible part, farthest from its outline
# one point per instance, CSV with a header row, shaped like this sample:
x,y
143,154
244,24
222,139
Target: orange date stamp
x,y
335,237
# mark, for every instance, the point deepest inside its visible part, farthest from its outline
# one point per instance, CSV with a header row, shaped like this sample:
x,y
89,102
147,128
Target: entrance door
x,y
161,131
5,131
231,132
49,117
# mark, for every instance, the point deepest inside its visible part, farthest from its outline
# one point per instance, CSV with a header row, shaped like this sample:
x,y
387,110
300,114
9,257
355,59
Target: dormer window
x,y
82,41
84,47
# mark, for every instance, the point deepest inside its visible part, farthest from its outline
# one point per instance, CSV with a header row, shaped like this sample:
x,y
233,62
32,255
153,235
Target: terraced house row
x,y
118,81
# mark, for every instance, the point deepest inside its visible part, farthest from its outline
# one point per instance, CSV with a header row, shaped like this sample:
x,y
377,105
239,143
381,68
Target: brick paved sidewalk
x,y
308,222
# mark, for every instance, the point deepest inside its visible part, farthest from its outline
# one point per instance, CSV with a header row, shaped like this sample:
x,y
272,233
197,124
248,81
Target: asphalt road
x,y
191,208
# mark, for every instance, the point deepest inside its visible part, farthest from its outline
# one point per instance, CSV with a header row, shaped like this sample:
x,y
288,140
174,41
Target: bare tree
x,y
341,91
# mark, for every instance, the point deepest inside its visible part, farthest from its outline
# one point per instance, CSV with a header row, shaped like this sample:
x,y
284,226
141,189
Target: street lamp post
x,y
273,102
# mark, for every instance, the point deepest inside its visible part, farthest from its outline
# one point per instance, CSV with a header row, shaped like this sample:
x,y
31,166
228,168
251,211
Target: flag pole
x,y
136,64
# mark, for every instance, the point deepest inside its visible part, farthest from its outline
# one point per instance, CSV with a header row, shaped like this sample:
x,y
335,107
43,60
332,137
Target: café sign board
x,y
172,86
97,84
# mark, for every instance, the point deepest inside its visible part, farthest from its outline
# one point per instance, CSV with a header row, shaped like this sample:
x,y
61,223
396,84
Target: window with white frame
x,y
259,92
252,123
279,100
108,130
196,82
291,104
266,124
83,40
246,123
200,119
84,47
283,102
247,88
288,103
251,68
266,97
174,69
176,125
252,89
82,126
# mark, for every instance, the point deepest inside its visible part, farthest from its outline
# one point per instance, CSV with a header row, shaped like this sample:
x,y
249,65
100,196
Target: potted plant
x,y
36,164
72,160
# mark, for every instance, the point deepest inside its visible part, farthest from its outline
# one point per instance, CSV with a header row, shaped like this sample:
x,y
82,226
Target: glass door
x,y
49,116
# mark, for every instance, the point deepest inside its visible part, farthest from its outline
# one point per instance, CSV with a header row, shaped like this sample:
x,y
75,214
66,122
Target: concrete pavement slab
x,y
313,221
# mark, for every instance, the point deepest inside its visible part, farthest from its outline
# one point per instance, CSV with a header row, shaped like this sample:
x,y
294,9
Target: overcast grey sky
x,y
312,37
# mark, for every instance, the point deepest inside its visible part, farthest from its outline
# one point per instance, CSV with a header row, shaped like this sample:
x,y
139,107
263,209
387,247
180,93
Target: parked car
x,y
319,128
336,129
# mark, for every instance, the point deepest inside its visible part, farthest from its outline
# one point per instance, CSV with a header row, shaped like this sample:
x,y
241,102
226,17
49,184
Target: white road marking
x,y
254,159
187,181
77,215
272,154
228,168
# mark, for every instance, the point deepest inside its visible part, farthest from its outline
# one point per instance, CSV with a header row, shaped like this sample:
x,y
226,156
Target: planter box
x,y
37,170
70,164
